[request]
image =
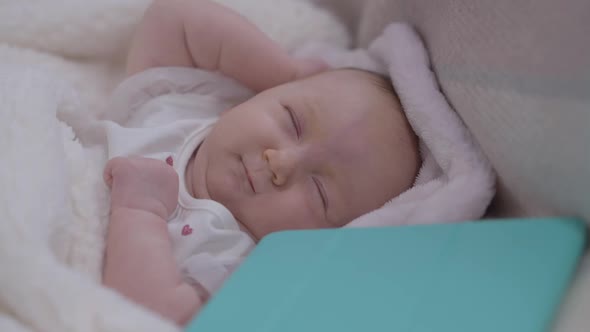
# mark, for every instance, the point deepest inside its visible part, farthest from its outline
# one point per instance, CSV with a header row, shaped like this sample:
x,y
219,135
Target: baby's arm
x,y
203,34
139,262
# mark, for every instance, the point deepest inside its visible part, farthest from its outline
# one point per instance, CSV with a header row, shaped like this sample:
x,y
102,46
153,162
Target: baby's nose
x,y
282,164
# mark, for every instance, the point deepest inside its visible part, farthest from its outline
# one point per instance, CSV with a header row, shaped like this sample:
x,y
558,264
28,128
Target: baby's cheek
x,y
276,211
296,210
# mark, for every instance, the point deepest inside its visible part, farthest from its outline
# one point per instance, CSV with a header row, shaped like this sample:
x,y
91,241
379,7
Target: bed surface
x,y
518,73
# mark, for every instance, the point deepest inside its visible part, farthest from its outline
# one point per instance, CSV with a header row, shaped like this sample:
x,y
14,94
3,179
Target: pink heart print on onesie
x,y
186,230
170,161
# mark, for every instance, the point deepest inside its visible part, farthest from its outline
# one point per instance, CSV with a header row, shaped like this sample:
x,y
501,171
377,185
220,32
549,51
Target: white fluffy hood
x,y
455,182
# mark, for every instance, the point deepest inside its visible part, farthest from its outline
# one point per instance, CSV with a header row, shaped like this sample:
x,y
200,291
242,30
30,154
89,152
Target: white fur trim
x,y
59,61
455,182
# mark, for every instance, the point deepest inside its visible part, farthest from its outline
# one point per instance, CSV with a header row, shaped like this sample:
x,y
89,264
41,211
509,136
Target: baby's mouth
x,y
248,175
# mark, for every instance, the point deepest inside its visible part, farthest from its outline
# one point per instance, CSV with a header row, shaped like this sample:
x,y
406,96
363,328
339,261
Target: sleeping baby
x,y
193,189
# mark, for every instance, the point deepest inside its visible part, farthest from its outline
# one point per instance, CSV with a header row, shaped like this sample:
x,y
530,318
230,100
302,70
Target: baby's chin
x,y
199,191
199,188
195,176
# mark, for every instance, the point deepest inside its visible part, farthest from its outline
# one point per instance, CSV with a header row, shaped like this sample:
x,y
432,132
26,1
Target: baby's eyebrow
x,y
312,106
309,113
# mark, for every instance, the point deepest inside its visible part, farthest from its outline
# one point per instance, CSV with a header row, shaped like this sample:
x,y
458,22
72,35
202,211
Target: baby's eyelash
x,y
294,120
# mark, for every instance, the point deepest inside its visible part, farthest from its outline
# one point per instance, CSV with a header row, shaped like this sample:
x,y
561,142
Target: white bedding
x,y
58,62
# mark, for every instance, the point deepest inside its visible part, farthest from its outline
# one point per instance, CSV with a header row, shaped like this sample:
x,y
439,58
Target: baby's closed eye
x,y
294,118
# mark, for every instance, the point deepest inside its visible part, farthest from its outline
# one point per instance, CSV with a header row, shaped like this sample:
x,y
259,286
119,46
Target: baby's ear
x,y
310,66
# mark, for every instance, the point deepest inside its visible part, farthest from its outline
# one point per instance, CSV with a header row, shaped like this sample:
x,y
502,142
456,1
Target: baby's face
x,y
315,153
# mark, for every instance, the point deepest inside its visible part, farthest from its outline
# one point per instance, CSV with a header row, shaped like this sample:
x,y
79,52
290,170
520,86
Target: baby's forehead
x,y
358,112
351,93
347,75
351,85
350,110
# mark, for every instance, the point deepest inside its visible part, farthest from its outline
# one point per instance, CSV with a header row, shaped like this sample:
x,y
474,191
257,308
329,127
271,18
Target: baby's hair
x,y
381,81
384,83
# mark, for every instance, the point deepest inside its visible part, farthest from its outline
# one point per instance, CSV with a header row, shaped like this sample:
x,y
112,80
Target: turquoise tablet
x,y
482,276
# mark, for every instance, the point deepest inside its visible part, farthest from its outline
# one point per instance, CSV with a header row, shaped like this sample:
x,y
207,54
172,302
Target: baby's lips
x,y
108,180
107,175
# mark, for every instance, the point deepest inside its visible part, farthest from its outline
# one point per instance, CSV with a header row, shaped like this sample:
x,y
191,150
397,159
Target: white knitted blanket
x,y
59,61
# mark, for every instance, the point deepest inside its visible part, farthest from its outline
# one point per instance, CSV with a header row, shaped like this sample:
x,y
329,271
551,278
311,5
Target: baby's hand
x,y
144,184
